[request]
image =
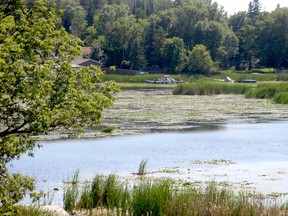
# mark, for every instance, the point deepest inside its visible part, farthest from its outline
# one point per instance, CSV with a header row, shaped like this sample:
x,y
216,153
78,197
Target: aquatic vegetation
x,y
71,192
214,162
275,91
209,88
142,167
281,98
108,129
110,195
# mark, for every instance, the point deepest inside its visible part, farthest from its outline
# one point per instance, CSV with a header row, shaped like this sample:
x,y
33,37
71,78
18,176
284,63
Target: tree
x,y
254,9
154,41
271,39
136,47
74,17
39,90
199,60
174,54
114,23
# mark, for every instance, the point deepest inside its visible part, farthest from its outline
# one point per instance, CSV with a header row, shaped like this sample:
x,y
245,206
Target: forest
x,y
183,36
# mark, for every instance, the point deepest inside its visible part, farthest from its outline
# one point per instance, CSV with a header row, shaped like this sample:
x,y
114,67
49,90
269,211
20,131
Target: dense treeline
x,y
192,36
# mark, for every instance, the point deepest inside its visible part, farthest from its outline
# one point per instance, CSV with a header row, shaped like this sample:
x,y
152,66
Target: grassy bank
x,y
111,196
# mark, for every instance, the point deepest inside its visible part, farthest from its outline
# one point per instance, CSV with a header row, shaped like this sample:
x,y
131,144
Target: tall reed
x,y
71,192
142,167
164,197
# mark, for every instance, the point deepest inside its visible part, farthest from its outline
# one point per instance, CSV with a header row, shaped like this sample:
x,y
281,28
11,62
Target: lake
x,y
253,155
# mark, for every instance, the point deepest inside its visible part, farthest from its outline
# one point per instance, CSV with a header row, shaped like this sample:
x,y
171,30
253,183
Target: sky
x,y
233,6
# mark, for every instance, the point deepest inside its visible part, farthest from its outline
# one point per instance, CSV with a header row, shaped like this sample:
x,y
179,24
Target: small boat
x,y
246,81
228,79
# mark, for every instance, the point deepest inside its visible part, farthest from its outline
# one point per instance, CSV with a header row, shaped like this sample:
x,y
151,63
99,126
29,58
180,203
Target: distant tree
x,y
136,46
218,38
154,41
39,90
174,54
199,60
254,9
237,21
74,17
271,41
114,23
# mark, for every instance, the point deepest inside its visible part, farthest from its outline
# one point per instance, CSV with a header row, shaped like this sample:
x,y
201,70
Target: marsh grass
x,y
71,192
267,90
31,211
151,198
210,88
142,167
281,98
259,75
274,90
111,196
108,129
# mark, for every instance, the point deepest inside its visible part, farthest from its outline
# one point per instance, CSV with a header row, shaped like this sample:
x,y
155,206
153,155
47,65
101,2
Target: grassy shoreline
x,y
112,196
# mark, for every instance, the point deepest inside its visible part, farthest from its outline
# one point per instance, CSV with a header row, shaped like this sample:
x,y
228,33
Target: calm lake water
x,y
258,154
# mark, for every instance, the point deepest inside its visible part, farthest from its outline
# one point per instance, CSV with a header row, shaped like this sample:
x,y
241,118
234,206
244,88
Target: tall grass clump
x,y
210,88
151,197
281,98
106,192
142,167
267,90
32,211
71,192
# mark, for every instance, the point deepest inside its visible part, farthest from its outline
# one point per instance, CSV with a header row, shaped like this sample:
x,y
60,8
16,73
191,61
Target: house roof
x,y
79,61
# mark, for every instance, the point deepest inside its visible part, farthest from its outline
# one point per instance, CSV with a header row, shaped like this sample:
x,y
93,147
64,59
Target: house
x,y
85,60
79,61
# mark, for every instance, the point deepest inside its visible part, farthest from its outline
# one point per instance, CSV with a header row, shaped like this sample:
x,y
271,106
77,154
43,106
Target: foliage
x,y
174,54
136,30
200,60
40,91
